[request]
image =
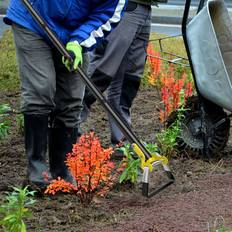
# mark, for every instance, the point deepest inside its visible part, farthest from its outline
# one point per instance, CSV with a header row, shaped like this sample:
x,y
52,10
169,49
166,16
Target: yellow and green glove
x,y
75,50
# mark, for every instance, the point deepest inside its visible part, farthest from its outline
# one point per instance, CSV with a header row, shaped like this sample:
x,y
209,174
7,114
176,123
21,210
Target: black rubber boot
x,y
61,141
36,137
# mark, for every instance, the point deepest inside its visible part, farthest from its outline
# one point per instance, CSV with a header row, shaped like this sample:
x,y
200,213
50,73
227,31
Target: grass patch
x,y
9,80
174,45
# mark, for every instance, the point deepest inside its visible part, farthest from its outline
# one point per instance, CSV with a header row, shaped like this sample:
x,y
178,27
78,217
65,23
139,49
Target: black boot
x,y
61,141
36,136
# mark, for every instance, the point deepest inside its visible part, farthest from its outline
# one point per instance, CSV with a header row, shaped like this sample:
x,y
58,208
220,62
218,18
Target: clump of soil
x,y
199,199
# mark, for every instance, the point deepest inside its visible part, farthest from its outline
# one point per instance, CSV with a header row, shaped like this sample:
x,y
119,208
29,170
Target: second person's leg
x,y
106,59
134,61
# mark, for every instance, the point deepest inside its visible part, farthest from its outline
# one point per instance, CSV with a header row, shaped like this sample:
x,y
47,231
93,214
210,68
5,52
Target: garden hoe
x,y
148,161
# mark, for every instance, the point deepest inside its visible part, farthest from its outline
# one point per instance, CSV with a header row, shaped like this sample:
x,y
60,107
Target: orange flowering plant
x,y
155,63
173,84
91,168
174,91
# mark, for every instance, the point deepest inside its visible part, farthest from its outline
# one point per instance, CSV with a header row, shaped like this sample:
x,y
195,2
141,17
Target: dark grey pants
x,y
47,86
121,59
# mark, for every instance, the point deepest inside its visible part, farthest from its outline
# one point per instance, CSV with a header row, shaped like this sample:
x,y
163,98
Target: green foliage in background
x,y
9,80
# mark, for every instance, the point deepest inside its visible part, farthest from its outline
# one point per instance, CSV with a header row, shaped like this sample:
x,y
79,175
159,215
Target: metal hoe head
x,y
148,166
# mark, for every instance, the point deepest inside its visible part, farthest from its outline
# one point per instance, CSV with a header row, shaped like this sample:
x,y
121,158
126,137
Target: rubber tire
x,y
192,143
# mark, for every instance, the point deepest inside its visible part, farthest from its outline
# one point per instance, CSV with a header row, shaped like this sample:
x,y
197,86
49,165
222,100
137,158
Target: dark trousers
x,y
47,86
118,64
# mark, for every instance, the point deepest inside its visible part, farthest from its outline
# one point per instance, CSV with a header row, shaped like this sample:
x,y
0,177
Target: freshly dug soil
x,y
200,200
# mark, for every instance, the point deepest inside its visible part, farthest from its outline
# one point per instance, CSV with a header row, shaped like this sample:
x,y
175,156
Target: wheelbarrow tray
x,y
209,37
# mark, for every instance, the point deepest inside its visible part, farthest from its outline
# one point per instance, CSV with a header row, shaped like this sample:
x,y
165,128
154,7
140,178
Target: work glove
x,y
75,50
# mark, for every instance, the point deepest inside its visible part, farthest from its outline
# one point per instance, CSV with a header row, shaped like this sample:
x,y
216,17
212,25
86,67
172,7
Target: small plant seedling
x,y
4,121
132,163
15,209
167,138
20,123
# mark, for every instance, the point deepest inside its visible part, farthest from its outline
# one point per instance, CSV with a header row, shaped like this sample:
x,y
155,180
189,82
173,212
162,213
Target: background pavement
x,y
172,12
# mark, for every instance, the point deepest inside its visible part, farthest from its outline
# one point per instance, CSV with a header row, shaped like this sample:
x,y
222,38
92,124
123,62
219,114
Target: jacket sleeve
x,y
100,22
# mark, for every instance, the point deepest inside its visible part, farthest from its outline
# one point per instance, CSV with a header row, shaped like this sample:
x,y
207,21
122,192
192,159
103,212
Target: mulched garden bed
x,y
201,194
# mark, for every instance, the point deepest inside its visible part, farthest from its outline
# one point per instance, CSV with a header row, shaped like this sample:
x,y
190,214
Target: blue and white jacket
x,y
85,21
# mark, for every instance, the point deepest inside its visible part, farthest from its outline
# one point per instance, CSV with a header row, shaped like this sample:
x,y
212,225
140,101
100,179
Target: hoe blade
x,y
160,176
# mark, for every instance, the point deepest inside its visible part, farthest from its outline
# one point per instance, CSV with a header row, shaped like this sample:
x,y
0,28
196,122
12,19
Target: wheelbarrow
x,y
207,38
208,41
148,161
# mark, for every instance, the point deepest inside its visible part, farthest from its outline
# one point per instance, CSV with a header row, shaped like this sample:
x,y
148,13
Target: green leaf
x,y
23,227
123,176
9,217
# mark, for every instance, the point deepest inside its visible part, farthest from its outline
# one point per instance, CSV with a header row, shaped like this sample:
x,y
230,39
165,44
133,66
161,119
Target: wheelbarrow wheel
x,y
190,138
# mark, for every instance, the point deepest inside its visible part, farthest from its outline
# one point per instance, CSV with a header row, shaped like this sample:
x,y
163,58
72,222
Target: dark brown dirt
x,y
199,199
